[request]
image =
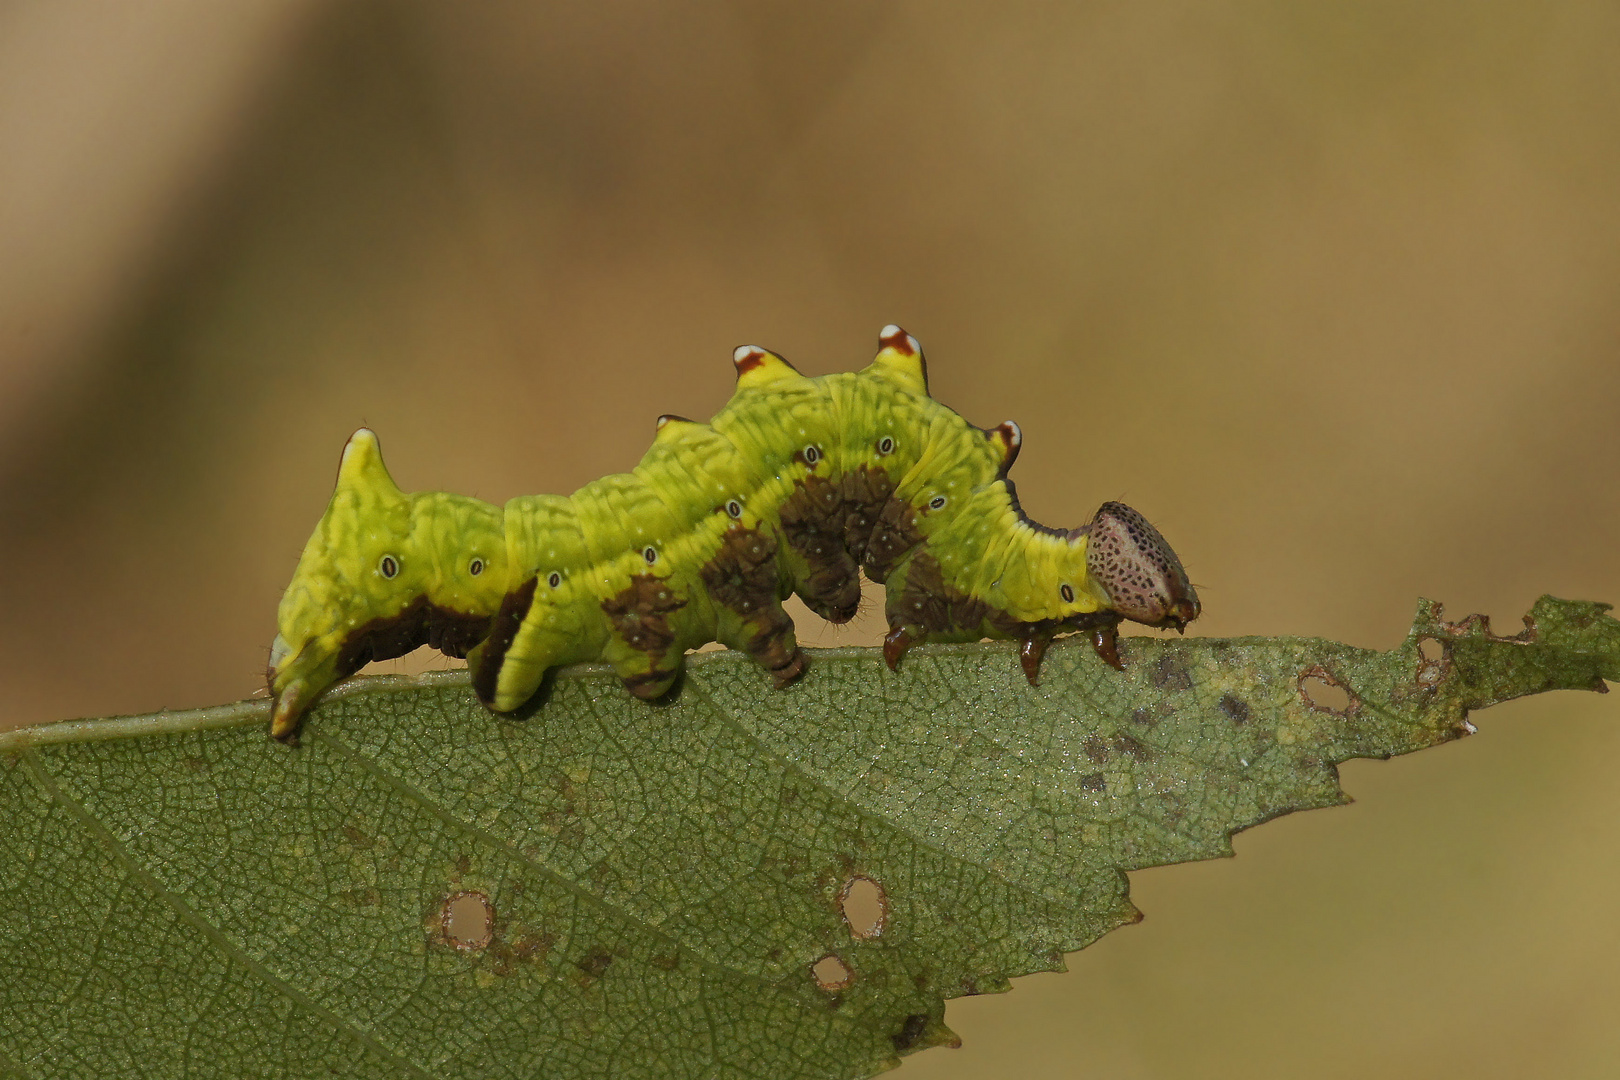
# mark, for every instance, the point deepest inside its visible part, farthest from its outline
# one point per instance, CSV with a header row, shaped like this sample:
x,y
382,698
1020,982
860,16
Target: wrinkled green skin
x,y
792,486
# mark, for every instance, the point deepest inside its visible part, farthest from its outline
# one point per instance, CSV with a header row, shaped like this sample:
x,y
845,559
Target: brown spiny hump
x,y
899,352
1138,570
757,366
1007,438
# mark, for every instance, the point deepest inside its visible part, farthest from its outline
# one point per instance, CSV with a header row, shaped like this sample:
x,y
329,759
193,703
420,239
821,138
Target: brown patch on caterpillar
x,y
894,534
924,604
1007,439
751,358
1138,570
640,615
503,631
650,684
747,358
742,578
892,337
813,527
421,623
866,491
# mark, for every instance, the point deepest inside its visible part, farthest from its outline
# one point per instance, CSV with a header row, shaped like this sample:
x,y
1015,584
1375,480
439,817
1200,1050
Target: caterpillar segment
x,y
795,486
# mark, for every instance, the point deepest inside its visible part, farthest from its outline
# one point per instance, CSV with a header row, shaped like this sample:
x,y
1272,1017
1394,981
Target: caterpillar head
x,y
1131,562
383,573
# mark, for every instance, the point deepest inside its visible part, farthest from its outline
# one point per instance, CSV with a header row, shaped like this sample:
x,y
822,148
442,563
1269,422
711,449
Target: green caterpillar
x,y
795,486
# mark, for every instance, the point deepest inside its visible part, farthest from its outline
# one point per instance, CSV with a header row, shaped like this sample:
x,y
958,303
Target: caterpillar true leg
x,y
1105,642
793,487
1031,651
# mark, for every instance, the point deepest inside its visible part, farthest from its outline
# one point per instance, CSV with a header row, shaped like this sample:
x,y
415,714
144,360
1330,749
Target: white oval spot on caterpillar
x,y
554,579
650,554
937,503
734,508
865,907
1067,592
475,567
885,446
831,973
812,454
388,566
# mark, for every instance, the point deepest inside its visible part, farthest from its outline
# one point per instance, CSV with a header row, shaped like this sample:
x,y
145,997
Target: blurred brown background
x,y
1328,291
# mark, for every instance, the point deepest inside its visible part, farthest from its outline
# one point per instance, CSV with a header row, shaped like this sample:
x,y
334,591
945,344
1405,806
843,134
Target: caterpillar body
x,y
795,486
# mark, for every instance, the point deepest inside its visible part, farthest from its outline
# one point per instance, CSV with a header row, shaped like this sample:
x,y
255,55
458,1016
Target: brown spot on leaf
x,y
594,963
504,957
1095,749
1092,782
911,1029
1171,673
1235,708
1131,748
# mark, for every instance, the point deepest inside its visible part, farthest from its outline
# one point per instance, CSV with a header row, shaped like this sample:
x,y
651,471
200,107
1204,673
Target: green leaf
x,y
660,890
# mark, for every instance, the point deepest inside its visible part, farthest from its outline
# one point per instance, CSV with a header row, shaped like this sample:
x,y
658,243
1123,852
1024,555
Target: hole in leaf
x,y
831,973
467,920
1434,662
865,906
1322,691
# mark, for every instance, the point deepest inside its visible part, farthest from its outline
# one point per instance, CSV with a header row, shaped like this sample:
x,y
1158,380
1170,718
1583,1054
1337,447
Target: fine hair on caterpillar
x,y
795,486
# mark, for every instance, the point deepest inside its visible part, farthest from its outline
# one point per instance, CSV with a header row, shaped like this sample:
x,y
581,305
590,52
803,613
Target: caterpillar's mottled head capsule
x,y
1144,580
